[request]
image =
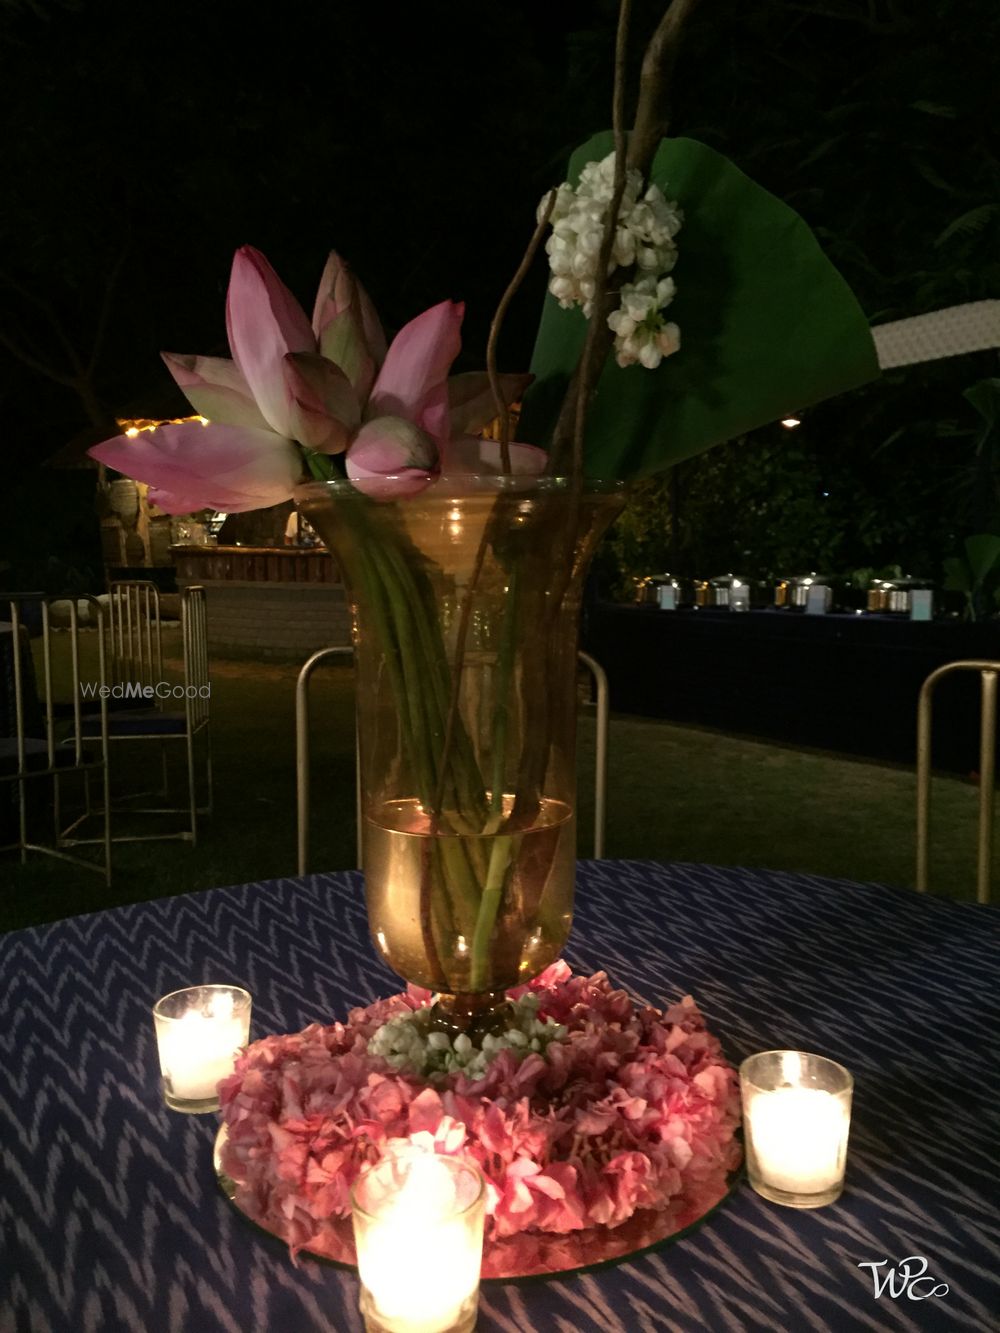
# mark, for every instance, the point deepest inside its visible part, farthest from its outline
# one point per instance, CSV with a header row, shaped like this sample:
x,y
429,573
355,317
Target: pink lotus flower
x,y
328,386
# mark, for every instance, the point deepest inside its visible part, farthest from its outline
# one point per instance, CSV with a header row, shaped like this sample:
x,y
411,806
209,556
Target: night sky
x,y
143,143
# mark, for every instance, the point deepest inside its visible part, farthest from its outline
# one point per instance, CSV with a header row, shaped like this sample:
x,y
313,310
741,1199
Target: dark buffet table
x,y
841,682
111,1218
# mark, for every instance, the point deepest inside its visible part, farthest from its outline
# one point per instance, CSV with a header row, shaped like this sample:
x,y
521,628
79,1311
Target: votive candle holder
x,y
199,1032
796,1121
418,1232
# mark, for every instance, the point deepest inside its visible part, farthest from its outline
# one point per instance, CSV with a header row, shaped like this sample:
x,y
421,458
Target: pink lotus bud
x,y
391,457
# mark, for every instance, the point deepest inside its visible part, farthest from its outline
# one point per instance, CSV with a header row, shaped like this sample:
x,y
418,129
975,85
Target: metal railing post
x,y
302,756
987,766
987,772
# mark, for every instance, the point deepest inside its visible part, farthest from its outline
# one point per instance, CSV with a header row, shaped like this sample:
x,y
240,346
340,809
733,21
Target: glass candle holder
x,y
418,1230
796,1118
199,1032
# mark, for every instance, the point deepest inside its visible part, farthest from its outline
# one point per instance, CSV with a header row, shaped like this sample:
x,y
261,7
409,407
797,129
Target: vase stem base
x,y
476,1013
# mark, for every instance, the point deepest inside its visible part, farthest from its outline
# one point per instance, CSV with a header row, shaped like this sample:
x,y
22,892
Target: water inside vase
x,y
533,869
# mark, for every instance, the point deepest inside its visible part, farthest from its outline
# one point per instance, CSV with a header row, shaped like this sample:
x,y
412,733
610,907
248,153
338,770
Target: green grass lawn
x,y
675,793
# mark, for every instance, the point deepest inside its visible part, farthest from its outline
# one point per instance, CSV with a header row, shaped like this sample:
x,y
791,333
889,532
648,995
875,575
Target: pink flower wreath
x,y
634,1110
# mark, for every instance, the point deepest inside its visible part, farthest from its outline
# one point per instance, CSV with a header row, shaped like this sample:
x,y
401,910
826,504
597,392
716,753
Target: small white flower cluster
x,y
641,332
644,237
408,1044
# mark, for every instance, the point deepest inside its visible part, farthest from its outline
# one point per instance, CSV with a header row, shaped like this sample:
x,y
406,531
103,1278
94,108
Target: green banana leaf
x,y
768,326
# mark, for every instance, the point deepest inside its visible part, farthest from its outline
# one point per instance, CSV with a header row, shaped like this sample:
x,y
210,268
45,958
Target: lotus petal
x,y
340,290
471,402
207,467
434,416
215,387
469,453
418,362
265,323
343,342
325,408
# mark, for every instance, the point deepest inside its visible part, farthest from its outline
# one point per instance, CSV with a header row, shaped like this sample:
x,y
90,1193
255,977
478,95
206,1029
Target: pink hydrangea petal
x,y
644,1128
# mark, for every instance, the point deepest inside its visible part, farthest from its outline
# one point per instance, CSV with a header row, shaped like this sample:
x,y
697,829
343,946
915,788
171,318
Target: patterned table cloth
x,y
111,1218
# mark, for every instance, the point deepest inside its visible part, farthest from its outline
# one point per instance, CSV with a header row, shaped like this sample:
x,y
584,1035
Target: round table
x,y
111,1218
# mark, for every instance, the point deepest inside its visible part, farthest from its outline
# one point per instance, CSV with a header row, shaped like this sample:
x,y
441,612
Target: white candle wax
x,y
420,1264
199,1049
799,1138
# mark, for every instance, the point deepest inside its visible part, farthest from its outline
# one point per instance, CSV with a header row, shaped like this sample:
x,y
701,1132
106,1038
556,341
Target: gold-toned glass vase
x,y
466,601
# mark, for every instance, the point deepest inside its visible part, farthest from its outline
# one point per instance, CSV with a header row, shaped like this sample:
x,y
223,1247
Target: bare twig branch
x,y
503,412
650,126
35,363
652,113
598,316
43,307
106,305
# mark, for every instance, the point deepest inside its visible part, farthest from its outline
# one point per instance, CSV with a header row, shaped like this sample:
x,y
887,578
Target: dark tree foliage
x,y
143,143
877,121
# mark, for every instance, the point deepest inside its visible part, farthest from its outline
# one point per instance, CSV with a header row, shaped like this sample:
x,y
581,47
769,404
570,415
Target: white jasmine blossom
x,y
641,333
408,1044
644,235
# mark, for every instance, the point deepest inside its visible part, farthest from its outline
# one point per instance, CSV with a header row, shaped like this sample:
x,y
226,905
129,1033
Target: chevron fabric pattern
x,y
110,1218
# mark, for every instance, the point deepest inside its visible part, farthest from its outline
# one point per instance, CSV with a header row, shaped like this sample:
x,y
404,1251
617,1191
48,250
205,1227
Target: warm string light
x,y
134,426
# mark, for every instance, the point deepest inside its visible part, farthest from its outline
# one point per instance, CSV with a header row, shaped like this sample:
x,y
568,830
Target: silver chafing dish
x,y
895,595
792,592
725,590
661,590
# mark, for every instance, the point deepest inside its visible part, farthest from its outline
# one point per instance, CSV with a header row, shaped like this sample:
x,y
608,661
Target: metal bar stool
x,y
987,765
302,754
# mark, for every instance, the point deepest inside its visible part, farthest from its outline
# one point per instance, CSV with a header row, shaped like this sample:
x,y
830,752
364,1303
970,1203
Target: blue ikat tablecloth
x,y
111,1218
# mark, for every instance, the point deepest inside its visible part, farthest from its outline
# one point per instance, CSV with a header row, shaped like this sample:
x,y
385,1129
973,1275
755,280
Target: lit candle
x,y
418,1228
199,1032
797,1114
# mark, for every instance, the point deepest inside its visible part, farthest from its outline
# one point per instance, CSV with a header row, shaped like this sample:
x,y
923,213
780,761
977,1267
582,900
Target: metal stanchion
x,y
987,772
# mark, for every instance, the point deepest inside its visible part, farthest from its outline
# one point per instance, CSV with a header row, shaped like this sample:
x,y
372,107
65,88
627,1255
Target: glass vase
x,y
466,601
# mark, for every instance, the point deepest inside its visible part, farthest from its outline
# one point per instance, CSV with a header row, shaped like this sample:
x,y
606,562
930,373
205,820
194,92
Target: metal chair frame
x,y
135,649
987,771
135,641
83,745
132,648
302,765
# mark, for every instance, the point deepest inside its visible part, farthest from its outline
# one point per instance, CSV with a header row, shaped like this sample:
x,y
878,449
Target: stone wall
x,y
265,602
286,621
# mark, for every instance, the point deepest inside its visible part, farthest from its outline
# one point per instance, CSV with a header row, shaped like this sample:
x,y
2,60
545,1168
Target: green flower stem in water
x,y
399,622
500,861
470,798
501,708
500,852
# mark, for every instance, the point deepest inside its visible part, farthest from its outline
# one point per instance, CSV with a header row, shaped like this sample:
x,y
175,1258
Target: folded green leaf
x,y
768,326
